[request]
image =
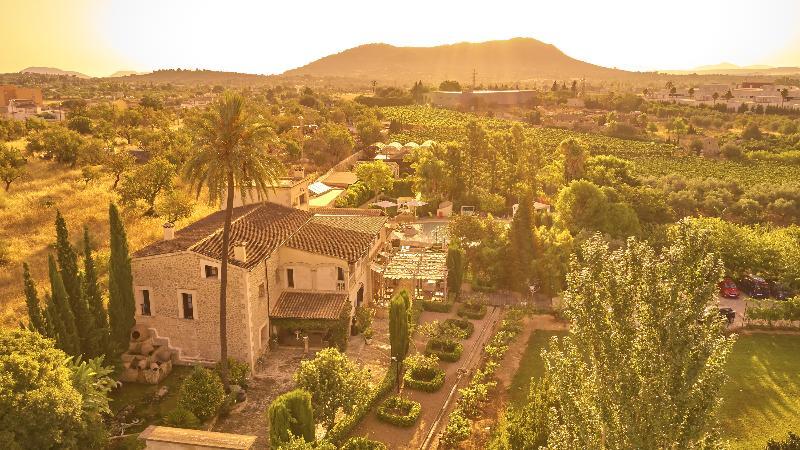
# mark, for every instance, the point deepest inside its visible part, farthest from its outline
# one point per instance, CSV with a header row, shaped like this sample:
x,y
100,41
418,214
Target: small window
x,y
262,290
188,305
290,278
211,271
340,274
145,302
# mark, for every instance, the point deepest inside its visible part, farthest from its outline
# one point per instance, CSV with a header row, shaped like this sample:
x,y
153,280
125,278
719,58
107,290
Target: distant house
x,y
291,273
20,102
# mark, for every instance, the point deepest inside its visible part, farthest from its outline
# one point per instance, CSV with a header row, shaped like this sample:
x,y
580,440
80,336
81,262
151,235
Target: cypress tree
x,y
521,247
68,339
68,265
455,271
36,321
290,415
121,306
398,330
94,300
55,326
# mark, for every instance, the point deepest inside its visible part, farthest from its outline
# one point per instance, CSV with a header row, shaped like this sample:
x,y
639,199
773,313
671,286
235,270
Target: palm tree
x,y
784,95
715,96
232,150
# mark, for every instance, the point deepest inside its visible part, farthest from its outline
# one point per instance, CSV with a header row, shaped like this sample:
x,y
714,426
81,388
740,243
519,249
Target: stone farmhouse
x,y
291,271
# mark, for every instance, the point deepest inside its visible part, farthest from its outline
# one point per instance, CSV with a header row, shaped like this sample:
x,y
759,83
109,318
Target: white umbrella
x,y
384,204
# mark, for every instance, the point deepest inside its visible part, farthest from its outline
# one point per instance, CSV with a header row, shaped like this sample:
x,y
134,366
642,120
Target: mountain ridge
x,y
53,71
510,60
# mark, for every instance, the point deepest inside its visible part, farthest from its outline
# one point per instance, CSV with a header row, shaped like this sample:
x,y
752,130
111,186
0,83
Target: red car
x,y
728,289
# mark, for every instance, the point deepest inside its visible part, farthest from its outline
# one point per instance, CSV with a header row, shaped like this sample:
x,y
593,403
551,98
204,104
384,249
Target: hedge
x,y
426,379
362,443
446,349
437,306
472,311
399,411
466,327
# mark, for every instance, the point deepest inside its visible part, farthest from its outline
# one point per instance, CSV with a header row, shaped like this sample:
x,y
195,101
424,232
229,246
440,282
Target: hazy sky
x,y
98,37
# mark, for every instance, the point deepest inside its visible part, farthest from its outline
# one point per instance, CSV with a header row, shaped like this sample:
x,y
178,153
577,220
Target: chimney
x,y
298,172
169,231
240,251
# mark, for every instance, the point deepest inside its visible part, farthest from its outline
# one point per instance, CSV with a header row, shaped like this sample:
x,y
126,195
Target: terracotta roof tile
x,y
366,224
347,212
348,245
266,226
309,305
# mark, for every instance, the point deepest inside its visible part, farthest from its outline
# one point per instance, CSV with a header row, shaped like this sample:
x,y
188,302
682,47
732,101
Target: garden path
x,y
433,402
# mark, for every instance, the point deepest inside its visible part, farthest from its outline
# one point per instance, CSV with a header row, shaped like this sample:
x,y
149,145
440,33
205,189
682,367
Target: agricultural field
x,y
651,158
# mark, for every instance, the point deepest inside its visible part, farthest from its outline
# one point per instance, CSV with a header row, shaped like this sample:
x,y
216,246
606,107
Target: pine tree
x,y
68,265
68,339
121,306
36,321
94,300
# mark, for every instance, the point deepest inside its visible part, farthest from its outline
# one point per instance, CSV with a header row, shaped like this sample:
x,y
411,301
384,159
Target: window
x,y
262,290
145,302
188,305
340,279
211,271
290,278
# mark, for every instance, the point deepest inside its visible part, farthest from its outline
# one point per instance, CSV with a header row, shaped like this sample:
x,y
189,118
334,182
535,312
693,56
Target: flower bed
x,y
399,411
423,373
475,311
446,349
437,306
465,327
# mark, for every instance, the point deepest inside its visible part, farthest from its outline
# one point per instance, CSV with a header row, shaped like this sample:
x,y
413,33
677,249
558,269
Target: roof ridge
x,y
218,230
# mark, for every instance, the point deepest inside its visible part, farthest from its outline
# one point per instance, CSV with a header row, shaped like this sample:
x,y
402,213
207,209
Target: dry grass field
x,y
27,214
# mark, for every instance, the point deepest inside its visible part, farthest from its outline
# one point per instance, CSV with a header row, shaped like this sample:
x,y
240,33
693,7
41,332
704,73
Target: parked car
x,y
755,287
778,290
728,289
728,313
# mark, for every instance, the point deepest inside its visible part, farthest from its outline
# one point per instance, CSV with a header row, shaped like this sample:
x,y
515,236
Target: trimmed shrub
x,y
181,417
399,411
437,306
458,429
290,415
362,443
238,372
446,349
464,328
474,311
201,393
423,373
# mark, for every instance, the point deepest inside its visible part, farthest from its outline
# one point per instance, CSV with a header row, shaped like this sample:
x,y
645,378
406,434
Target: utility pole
x,y
583,86
473,78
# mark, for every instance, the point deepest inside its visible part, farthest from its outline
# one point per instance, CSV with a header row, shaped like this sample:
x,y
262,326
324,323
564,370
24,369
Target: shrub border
x,y
400,421
462,312
426,386
437,306
453,356
470,327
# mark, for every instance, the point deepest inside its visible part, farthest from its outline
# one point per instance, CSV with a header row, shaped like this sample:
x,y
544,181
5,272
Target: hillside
x,y
510,60
193,77
732,69
53,71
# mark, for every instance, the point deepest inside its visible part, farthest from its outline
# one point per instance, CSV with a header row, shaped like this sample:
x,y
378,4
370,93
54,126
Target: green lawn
x,y
762,398
531,365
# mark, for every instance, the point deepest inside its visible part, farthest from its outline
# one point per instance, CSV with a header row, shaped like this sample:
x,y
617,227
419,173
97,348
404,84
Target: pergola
x,y
425,272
